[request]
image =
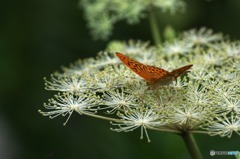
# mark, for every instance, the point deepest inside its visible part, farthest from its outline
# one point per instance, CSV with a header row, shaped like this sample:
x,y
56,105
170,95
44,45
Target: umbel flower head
x,y
205,100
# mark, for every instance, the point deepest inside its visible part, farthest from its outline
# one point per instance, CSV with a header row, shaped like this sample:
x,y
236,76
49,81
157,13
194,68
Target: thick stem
x,y
154,28
191,146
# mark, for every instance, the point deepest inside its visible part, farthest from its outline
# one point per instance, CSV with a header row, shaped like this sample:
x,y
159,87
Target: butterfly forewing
x,y
180,71
149,73
171,76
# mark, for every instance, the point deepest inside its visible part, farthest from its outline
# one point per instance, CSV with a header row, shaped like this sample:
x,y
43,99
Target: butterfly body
x,y
154,76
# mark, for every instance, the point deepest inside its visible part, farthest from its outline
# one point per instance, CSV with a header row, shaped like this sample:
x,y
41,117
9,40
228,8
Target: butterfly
x,y
154,76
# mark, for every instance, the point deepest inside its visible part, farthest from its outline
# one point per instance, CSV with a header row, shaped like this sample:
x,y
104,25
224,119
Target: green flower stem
x,y
154,28
164,130
198,132
100,117
191,145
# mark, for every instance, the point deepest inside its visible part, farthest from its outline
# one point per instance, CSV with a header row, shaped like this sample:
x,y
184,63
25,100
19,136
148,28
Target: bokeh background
x,y
37,37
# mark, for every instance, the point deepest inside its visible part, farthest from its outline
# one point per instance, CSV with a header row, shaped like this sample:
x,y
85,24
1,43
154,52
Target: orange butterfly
x,y
153,75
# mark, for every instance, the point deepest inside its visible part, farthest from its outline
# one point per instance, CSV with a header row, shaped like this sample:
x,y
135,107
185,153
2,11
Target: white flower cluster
x,y
205,100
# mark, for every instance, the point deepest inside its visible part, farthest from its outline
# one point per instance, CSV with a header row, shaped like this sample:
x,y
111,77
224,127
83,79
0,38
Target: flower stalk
x,y
191,145
154,28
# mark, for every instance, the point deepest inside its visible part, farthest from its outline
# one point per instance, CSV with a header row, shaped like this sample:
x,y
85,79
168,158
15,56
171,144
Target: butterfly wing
x,y
149,73
168,78
155,73
180,71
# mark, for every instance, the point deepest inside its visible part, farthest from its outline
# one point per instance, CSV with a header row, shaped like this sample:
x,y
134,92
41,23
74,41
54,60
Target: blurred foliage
x,y
101,15
36,37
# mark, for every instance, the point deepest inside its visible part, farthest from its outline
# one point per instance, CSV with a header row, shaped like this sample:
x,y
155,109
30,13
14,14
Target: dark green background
x,y
38,36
